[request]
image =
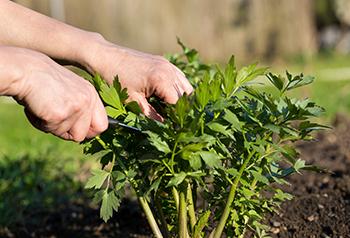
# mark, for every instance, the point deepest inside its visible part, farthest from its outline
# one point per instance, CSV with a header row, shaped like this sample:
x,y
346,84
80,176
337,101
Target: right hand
x,y
56,100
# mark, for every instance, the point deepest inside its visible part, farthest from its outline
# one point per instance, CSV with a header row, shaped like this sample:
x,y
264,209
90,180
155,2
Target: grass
x,y
18,137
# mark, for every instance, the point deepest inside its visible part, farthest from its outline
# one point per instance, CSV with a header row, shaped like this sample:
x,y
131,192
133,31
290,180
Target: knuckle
x,y
101,126
78,137
55,116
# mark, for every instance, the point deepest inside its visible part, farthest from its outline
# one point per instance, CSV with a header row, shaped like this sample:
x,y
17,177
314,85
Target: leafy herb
x,y
224,145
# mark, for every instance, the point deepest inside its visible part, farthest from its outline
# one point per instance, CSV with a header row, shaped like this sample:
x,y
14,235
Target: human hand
x,y
55,99
142,74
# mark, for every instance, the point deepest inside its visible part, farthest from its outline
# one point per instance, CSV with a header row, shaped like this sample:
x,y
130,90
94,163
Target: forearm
x,y
25,28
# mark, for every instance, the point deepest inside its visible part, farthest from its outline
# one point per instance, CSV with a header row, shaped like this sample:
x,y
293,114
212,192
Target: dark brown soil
x,y
321,207
80,220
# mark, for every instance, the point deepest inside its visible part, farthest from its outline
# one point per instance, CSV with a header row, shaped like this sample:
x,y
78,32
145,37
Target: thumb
x,y
146,108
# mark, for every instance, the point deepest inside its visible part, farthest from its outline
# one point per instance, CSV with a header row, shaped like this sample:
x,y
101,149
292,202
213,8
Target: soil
x,y
321,207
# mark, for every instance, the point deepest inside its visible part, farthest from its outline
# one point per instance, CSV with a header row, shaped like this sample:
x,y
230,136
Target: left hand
x,y
141,73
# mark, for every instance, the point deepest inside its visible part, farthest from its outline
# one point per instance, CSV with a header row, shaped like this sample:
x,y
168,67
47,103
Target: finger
x,y
146,108
80,127
99,122
184,81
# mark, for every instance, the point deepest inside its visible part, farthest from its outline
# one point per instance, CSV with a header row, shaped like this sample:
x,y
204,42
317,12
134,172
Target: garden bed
x,y
321,207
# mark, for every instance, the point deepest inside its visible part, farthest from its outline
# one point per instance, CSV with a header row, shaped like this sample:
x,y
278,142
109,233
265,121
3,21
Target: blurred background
x,y
41,176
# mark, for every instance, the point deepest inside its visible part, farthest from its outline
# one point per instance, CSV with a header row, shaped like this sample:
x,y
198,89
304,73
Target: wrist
x,y
11,72
96,51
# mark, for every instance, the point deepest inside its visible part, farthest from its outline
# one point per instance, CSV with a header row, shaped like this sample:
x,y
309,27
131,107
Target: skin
x,y
55,99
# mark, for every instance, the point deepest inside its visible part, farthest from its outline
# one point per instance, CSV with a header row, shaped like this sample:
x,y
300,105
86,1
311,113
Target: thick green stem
x,y
182,216
219,229
163,222
190,205
150,218
176,198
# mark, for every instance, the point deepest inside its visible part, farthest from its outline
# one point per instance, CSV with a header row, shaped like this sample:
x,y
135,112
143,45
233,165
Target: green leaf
x,y
299,164
97,179
203,92
177,179
134,107
259,177
195,161
299,80
277,81
229,77
182,106
232,119
211,158
200,224
123,95
249,73
217,127
232,171
110,97
157,142
109,203
114,112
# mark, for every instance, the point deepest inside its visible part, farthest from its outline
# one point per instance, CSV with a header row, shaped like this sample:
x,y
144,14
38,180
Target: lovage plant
x,y
208,170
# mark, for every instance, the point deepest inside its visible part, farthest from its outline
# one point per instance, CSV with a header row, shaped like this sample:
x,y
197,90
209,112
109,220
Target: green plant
x,y
209,168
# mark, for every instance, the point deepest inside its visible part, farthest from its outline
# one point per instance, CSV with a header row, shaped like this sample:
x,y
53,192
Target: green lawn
x,y
18,137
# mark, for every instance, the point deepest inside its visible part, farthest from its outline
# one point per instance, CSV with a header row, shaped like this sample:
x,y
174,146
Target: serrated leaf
x,y
299,164
299,80
217,127
110,97
277,81
182,106
202,92
229,76
195,161
232,171
97,179
122,92
114,112
177,179
259,177
211,159
134,107
232,119
109,203
157,142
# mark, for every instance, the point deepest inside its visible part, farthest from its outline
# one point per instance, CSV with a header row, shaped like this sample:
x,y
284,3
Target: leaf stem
x,y
219,229
150,218
173,157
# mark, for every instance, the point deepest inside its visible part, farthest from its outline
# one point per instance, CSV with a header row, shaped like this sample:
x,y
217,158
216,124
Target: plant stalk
x,y
190,205
219,229
150,218
182,216
163,222
176,198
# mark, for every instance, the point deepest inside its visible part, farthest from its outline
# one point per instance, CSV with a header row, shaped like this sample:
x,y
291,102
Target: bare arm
x,y
142,74
22,27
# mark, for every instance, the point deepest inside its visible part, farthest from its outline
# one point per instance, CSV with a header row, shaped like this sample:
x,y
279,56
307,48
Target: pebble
x,y
276,224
